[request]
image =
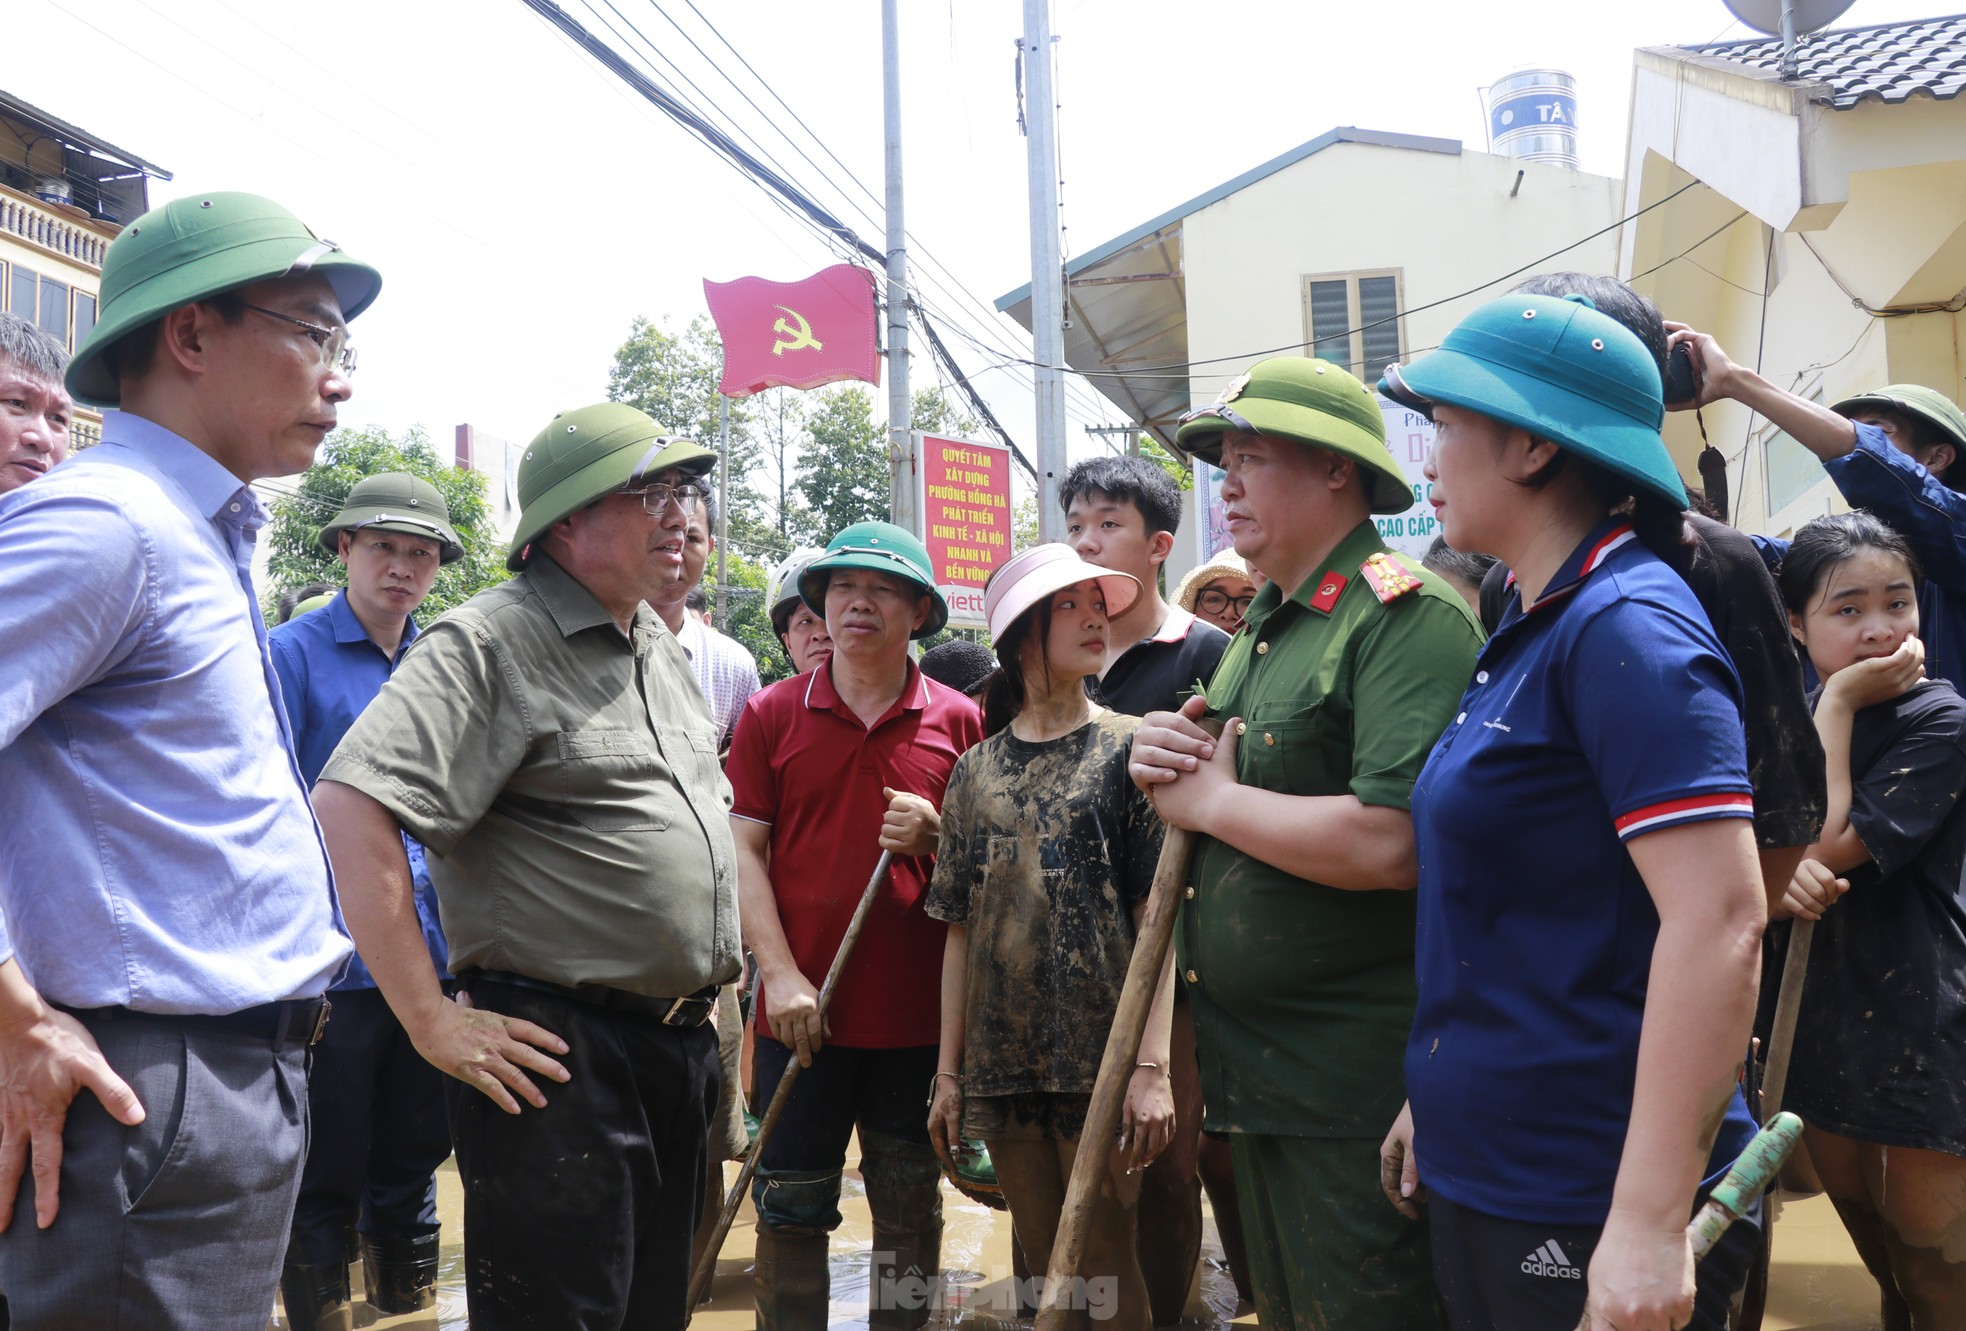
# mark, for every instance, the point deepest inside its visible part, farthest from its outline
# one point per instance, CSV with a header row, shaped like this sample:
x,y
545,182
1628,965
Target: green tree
x,y
750,617
673,377
843,470
296,557
1181,474
932,412
780,415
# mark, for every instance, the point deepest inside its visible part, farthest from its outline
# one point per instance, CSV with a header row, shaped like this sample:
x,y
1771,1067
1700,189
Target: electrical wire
x,y
1180,370
1089,402
725,146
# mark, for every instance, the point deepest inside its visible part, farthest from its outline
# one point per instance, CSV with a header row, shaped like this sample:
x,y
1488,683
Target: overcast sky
x,y
524,206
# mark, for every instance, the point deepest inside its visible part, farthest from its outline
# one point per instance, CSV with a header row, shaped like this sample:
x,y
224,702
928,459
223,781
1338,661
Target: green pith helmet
x,y
1556,367
1313,402
885,548
399,502
589,453
192,249
1927,404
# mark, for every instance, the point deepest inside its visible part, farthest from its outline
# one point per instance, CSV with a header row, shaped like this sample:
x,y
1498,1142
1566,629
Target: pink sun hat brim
x,y
1035,574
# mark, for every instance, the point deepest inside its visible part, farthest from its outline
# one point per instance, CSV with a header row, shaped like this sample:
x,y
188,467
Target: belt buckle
x,y
673,1016
320,1023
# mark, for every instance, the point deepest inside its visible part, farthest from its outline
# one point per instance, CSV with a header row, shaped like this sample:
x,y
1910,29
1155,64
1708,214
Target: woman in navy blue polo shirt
x,y
1590,906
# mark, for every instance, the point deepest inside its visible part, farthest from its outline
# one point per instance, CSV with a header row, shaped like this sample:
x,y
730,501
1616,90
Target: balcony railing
x,y
37,223
84,433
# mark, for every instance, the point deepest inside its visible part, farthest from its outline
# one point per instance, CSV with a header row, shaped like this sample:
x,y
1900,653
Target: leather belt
x,y
689,1010
291,1021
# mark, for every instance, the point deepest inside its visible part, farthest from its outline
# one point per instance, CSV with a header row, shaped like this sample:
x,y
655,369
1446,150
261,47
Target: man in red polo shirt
x,y
829,769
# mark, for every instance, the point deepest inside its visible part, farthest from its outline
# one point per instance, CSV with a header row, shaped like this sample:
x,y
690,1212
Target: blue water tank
x,y
1532,115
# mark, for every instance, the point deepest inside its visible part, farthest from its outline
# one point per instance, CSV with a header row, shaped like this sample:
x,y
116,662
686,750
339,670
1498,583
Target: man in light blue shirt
x,y
167,921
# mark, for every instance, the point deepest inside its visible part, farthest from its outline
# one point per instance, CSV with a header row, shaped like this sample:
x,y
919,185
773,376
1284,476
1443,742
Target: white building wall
x,y
1446,222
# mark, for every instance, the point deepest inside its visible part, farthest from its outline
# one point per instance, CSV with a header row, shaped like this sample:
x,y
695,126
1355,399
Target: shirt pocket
x,y
1297,746
611,781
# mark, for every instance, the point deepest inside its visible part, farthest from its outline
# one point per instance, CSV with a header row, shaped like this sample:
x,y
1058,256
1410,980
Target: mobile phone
x,y
1682,382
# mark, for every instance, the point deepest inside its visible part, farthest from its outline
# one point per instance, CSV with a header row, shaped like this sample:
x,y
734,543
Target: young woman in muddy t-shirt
x,y
1878,1072
1048,850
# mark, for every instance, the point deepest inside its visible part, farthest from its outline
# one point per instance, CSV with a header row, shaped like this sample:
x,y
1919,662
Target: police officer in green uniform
x,y
1296,935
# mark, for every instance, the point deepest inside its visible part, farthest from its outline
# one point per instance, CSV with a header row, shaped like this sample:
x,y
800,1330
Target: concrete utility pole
x,y
1047,265
900,436
723,510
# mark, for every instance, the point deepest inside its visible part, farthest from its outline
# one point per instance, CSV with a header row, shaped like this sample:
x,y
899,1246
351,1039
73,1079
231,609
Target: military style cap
x,y
1564,372
782,595
196,248
885,548
1313,402
589,453
399,502
1927,404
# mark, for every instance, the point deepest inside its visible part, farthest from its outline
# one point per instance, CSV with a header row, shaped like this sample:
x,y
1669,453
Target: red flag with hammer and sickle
x,y
796,334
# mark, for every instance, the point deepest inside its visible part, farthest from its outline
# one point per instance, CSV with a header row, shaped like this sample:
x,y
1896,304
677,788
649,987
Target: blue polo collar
x,y
348,628
1587,558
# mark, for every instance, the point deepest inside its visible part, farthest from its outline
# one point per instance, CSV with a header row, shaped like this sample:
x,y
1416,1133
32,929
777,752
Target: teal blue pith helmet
x,y
1564,372
885,548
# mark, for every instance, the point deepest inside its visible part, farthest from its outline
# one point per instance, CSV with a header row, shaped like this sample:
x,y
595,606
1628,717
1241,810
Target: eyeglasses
x,y
1214,601
1221,412
333,343
660,495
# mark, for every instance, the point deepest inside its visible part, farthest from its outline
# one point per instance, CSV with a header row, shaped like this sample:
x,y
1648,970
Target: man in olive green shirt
x,y
1296,937
547,743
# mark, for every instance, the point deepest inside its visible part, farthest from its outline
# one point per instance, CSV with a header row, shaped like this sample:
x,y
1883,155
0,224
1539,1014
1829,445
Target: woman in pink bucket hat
x,y
1048,850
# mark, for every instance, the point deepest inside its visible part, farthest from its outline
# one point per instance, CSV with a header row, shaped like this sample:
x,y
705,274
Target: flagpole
x,y
723,510
900,435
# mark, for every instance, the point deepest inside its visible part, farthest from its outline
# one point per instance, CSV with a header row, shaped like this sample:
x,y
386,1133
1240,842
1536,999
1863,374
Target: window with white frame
x,y
1789,469
1352,319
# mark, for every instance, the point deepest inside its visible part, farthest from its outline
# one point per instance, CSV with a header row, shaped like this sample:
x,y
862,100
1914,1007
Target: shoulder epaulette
x,y
1388,577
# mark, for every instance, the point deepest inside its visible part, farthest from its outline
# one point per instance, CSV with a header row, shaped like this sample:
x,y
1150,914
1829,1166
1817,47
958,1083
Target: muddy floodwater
x,y
1817,1283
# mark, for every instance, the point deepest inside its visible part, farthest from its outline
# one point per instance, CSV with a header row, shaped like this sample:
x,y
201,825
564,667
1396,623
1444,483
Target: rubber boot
x,y
402,1273
790,1281
904,1193
316,1298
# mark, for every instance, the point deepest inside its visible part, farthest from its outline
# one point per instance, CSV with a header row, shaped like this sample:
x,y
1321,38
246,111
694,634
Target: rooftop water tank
x,y
1532,115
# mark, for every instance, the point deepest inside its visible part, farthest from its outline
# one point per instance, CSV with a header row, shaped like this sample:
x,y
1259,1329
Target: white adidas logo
x,y
1549,1260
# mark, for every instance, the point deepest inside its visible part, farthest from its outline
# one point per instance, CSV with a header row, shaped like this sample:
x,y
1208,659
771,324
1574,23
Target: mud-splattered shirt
x,y
1880,1047
1046,848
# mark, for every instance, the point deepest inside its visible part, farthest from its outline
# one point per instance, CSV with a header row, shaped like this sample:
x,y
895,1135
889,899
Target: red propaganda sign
x,y
796,334
966,513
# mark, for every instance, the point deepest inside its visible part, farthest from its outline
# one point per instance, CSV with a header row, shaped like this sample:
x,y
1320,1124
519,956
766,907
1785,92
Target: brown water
x,y
1816,1283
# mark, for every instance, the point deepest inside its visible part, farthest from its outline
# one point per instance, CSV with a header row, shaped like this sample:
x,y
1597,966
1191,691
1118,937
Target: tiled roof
x,y
1890,62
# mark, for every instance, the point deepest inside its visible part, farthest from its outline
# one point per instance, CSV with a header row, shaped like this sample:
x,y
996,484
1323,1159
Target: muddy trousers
x,y
377,1110
578,1216
1326,1251
796,1189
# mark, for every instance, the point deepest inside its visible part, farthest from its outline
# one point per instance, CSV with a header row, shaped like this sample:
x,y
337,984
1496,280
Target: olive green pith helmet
x,y
1927,404
586,454
399,502
1311,402
196,248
